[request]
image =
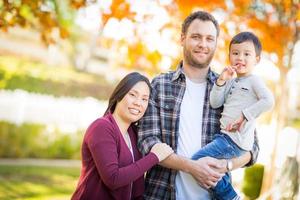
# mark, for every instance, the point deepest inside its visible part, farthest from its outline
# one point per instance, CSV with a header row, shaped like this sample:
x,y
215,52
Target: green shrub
x,y
252,183
35,141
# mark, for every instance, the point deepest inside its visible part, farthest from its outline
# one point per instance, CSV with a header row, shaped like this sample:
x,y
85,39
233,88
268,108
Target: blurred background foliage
x,y
44,15
37,77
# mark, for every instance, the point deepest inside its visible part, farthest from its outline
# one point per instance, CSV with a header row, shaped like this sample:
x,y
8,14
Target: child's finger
x,y
228,128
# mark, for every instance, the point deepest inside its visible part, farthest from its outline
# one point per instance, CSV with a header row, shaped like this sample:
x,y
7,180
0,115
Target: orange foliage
x,y
28,13
139,57
274,37
274,33
241,7
187,6
118,9
78,3
286,5
63,32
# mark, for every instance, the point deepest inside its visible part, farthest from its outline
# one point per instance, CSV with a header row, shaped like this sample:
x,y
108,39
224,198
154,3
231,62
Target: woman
x,y
112,167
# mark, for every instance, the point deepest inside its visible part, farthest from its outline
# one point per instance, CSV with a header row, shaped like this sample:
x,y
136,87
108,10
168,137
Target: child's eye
x,y
145,100
247,54
132,94
235,53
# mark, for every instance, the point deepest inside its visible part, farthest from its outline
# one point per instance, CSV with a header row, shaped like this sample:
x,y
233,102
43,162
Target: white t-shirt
x,y
189,139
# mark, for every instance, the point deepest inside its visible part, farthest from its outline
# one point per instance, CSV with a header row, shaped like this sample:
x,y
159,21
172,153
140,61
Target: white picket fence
x,y
66,113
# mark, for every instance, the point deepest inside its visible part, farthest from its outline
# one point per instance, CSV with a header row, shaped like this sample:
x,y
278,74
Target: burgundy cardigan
x,y
108,171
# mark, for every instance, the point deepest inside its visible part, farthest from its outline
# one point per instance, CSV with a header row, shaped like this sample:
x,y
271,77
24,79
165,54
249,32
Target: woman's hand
x,y
161,150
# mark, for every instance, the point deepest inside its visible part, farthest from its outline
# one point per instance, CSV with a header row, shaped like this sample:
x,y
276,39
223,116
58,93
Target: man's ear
x,y
182,38
257,59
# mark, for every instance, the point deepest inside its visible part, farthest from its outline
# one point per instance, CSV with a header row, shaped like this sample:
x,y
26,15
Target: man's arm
x,y
206,171
240,161
254,152
149,132
248,158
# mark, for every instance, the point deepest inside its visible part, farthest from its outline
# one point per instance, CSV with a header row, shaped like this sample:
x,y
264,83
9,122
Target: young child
x,y
244,98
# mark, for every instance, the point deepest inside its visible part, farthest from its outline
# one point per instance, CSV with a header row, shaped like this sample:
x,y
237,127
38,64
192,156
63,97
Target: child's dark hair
x,y
247,36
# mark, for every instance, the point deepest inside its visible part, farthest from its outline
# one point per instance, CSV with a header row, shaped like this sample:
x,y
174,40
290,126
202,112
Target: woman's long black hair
x,y
123,88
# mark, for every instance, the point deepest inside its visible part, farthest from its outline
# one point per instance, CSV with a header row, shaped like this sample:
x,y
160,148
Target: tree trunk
x,y
280,117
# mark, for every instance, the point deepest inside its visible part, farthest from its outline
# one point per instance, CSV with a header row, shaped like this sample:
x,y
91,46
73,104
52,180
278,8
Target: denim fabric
x,y
222,147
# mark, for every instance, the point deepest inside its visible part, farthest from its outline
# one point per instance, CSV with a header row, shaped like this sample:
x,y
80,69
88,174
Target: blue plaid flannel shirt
x,y
161,124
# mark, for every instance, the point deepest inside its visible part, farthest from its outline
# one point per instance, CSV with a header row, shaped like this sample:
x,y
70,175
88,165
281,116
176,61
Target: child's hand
x,y
237,125
227,73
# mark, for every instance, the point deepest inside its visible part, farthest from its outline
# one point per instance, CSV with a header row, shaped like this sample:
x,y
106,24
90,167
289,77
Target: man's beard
x,y
193,62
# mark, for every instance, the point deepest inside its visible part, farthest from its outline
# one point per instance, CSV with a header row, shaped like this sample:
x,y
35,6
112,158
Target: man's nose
x,y
202,42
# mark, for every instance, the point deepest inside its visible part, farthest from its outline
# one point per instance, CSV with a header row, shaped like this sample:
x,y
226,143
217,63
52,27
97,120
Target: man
x,y
179,114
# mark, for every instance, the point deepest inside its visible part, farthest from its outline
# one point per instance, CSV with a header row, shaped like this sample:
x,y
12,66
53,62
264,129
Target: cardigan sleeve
x,y
102,144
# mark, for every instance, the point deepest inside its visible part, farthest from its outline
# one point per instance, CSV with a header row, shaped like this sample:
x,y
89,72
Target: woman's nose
x,y
137,102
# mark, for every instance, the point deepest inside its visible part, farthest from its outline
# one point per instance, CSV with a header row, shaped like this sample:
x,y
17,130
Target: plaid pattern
x,y
161,124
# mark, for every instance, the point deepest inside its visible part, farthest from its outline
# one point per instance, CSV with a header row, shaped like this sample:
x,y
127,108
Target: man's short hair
x,y
201,15
247,36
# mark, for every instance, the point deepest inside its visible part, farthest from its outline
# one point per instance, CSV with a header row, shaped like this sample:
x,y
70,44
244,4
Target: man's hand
x,y
207,171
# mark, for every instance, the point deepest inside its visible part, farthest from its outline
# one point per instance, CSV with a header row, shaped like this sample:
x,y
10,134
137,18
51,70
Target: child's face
x,y
243,58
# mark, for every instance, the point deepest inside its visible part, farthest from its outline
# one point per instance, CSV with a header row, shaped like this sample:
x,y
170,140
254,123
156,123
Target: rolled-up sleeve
x,y
149,132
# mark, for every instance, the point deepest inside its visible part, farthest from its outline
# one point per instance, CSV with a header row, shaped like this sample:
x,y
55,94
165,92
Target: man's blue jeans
x,y
222,147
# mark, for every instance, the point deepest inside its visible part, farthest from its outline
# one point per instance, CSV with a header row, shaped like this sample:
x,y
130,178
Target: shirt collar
x,y
178,73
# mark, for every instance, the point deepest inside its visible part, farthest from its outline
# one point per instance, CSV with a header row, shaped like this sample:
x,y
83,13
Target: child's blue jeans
x,y
222,147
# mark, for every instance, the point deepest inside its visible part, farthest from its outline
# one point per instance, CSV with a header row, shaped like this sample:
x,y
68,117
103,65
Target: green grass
x,y
33,183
